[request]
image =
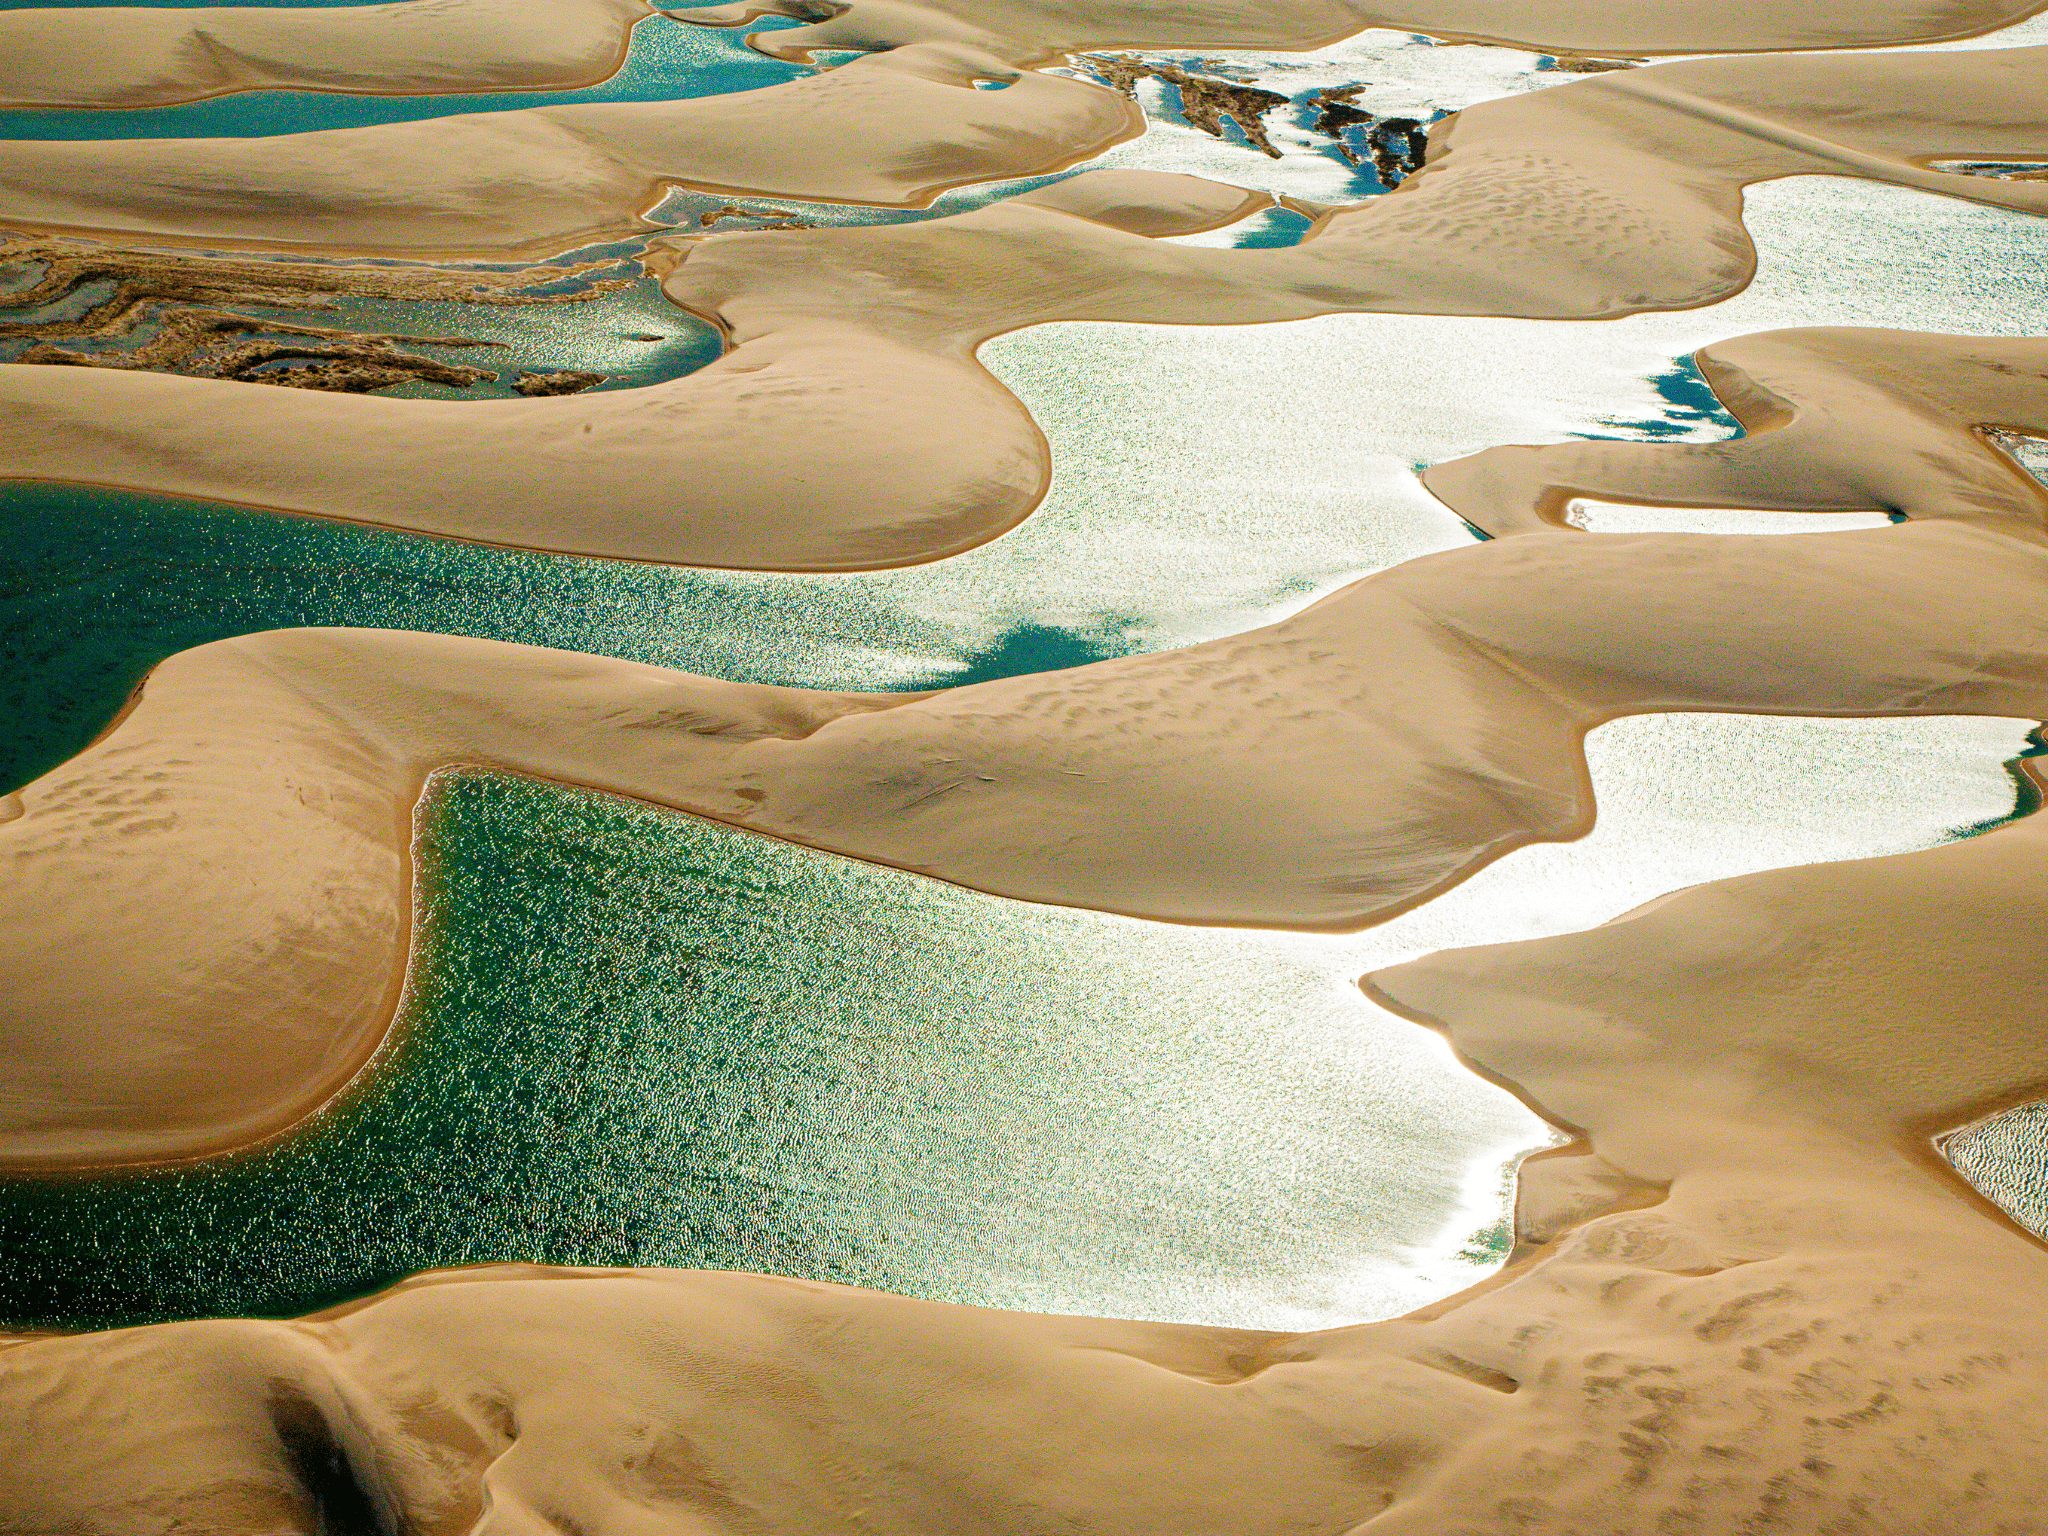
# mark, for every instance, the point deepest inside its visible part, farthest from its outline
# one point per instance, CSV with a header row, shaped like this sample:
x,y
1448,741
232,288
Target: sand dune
x,y
1776,1050
1605,197
853,438
150,56
1872,1002
1836,420
1325,772
1749,1298
1041,28
228,865
891,129
1611,193
146,56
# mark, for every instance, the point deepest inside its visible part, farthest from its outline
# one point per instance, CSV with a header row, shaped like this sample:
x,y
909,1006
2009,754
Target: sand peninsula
x,y
1325,772
1605,197
1748,1297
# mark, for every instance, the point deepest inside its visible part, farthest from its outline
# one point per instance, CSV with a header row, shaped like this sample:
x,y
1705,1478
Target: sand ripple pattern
x,y
1747,1296
1605,197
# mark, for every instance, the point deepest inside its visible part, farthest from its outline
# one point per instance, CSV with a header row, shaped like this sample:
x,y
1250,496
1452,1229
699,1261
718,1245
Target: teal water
x,y
639,1038
2006,1158
632,335
634,1038
666,60
97,586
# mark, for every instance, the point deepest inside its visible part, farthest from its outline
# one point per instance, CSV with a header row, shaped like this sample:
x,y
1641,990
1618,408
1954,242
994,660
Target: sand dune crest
x,y
1326,772
136,56
1604,197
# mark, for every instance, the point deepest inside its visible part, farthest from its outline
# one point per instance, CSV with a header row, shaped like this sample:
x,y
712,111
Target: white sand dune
x,y
228,865
1605,197
147,56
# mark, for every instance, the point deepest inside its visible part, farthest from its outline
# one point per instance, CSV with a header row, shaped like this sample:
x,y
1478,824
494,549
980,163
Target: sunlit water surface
x,y
636,1038
632,1037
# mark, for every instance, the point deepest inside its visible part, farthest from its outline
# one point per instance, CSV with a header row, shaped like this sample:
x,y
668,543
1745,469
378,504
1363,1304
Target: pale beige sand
x,y
1037,29
1604,197
1612,195
1749,1300
1632,177
146,56
849,435
149,56
1325,772
893,128
205,914
1871,1002
1836,420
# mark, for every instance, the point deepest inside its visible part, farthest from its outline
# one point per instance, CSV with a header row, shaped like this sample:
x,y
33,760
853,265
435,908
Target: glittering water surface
x,y
666,59
159,575
633,1037
631,336
637,1038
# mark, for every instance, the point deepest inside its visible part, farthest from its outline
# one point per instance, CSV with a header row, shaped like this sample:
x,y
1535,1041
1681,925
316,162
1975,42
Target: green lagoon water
x,y
634,1037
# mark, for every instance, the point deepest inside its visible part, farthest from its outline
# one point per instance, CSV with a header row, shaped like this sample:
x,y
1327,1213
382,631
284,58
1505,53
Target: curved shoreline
x,y
166,55
817,316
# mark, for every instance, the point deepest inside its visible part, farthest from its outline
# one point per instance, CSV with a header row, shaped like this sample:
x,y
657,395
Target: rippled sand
x,y
1747,1293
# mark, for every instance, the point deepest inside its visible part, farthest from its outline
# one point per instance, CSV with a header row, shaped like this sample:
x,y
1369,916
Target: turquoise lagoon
x,y
634,1037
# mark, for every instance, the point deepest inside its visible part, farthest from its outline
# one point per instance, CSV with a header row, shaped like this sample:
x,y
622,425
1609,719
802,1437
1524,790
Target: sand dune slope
x,y
1518,193
848,435
1775,1051
146,56
890,129
229,863
1600,198
1836,420
1749,1298
136,56
1612,195
226,867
